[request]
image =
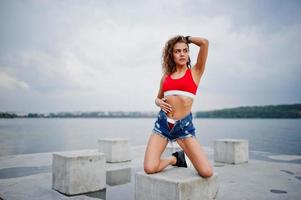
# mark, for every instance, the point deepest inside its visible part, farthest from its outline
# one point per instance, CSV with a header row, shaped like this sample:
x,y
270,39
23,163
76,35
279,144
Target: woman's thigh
x,y
155,147
197,155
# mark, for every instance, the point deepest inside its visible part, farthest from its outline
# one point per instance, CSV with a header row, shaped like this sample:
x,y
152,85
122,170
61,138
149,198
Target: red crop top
x,y
181,86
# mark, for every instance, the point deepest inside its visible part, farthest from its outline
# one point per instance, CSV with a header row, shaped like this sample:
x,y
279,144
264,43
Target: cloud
x,y
106,55
8,82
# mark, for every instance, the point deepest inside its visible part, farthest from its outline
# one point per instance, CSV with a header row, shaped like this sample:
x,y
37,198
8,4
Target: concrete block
x,y
232,151
118,176
115,149
171,148
76,172
175,184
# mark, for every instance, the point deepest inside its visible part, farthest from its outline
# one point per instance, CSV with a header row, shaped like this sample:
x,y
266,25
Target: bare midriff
x,y
181,106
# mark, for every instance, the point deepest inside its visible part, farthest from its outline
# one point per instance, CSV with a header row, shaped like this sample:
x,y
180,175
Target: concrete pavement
x,y
269,177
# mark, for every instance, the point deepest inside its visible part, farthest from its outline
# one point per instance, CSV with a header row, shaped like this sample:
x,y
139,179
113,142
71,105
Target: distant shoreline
x,y
285,111
270,111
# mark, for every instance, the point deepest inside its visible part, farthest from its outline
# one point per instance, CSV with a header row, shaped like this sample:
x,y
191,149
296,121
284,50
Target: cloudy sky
x,y
106,54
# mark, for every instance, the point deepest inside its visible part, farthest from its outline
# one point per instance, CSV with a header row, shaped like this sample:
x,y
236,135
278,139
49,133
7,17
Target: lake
x,y
23,136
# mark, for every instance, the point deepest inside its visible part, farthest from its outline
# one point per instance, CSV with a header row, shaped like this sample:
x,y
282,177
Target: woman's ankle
x,y
173,160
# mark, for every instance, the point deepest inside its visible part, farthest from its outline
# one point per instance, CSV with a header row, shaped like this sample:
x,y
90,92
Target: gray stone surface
x,y
256,179
232,151
76,172
115,149
118,176
175,184
33,187
170,148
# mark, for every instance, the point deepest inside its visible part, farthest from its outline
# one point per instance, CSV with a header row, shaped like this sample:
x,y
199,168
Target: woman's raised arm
x,y
203,43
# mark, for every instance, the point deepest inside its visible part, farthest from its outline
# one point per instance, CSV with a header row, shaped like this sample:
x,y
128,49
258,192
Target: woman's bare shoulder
x,y
164,75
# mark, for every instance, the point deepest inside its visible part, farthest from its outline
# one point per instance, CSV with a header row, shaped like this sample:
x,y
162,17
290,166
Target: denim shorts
x,y
182,128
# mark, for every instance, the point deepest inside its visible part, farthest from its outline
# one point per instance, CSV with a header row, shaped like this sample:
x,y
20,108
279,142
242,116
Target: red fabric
x,y
170,125
185,83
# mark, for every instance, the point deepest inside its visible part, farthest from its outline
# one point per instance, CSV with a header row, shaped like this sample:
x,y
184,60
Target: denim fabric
x,y
183,128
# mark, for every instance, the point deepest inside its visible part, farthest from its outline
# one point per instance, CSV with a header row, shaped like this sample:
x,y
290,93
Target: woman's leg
x,y
196,154
152,158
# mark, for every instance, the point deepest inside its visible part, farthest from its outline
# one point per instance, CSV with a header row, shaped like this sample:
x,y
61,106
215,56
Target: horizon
x,y
147,111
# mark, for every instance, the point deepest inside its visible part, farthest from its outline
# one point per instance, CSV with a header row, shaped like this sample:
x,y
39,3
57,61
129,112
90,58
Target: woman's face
x,y
180,54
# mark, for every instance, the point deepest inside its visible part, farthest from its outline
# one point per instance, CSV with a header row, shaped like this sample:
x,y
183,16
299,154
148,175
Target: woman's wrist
x,y
157,101
187,39
199,41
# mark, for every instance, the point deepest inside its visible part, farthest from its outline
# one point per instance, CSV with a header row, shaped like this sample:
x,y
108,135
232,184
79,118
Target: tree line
x,y
270,111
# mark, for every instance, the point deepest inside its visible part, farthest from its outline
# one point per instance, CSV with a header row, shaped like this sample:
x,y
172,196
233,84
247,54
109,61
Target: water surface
x,y
22,136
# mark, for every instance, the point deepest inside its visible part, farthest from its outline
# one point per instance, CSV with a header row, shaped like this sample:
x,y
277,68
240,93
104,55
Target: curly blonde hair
x,y
168,64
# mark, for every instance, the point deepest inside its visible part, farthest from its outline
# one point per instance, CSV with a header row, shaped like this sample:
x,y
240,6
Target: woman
x,y
178,87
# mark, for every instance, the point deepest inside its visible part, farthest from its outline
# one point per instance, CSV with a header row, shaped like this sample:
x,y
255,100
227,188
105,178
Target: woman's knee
x,y
206,173
150,168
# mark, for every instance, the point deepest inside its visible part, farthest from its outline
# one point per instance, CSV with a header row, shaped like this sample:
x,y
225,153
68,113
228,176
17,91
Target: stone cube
x,y
76,172
118,176
175,184
115,149
231,151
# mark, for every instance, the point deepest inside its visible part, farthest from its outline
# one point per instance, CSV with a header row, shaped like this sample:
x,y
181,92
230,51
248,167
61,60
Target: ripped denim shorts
x,y
182,128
